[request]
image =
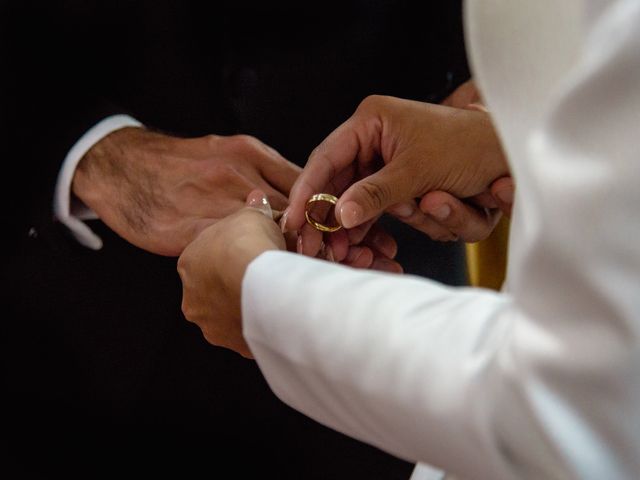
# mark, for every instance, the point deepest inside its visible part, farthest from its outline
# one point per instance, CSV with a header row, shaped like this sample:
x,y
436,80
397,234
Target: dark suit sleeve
x,y
58,62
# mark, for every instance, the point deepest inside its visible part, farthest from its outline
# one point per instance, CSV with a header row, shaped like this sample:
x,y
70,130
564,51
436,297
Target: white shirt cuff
x,y
72,215
422,471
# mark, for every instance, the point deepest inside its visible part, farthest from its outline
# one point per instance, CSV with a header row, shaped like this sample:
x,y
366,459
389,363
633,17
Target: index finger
x,y
339,150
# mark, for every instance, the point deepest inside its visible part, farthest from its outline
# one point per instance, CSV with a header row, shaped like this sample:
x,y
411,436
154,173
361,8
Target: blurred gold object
x,y
321,197
487,260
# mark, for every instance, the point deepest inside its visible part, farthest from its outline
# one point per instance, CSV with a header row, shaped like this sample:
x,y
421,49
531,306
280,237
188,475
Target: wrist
x,y
244,256
233,266
105,173
99,165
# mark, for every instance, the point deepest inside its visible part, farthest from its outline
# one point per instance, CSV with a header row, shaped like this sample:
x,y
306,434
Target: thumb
x,y
258,199
372,195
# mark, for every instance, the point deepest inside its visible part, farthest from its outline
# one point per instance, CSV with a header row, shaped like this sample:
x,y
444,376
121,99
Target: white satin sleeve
x,y
395,361
542,382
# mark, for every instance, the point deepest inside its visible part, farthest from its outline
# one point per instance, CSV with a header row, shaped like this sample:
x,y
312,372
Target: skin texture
x,y
414,160
159,192
212,267
475,219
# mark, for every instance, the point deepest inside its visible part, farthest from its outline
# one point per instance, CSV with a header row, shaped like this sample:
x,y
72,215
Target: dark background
x,y
102,374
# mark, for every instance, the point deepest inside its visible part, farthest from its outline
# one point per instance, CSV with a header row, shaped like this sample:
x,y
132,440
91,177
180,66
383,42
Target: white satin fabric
x,y
540,382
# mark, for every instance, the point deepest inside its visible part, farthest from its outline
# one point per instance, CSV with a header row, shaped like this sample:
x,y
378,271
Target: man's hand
x,y
159,192
392,151
213,266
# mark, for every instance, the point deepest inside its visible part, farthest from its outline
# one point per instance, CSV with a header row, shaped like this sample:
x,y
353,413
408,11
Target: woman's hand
x,y
392,152
213,265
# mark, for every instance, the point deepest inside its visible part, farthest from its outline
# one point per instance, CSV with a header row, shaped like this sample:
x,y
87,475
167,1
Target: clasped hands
x,y
438,168
413,160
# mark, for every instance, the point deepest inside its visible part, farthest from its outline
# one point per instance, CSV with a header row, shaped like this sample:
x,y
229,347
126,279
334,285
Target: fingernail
x,y
442,212
402,210
258,200
350,214
283,221
299,244
505,196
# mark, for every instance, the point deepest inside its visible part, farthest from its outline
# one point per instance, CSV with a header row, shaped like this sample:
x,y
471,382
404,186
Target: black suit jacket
x,y
100,366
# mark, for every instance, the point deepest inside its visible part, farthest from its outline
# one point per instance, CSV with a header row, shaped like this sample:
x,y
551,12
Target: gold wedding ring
x,y
321,197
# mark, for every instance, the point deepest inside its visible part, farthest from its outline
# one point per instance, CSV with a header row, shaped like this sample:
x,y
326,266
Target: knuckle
x,y
370,102
182,266
206,334
316,152
187,310
210,336
374,194
212,140
250,148
243,141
